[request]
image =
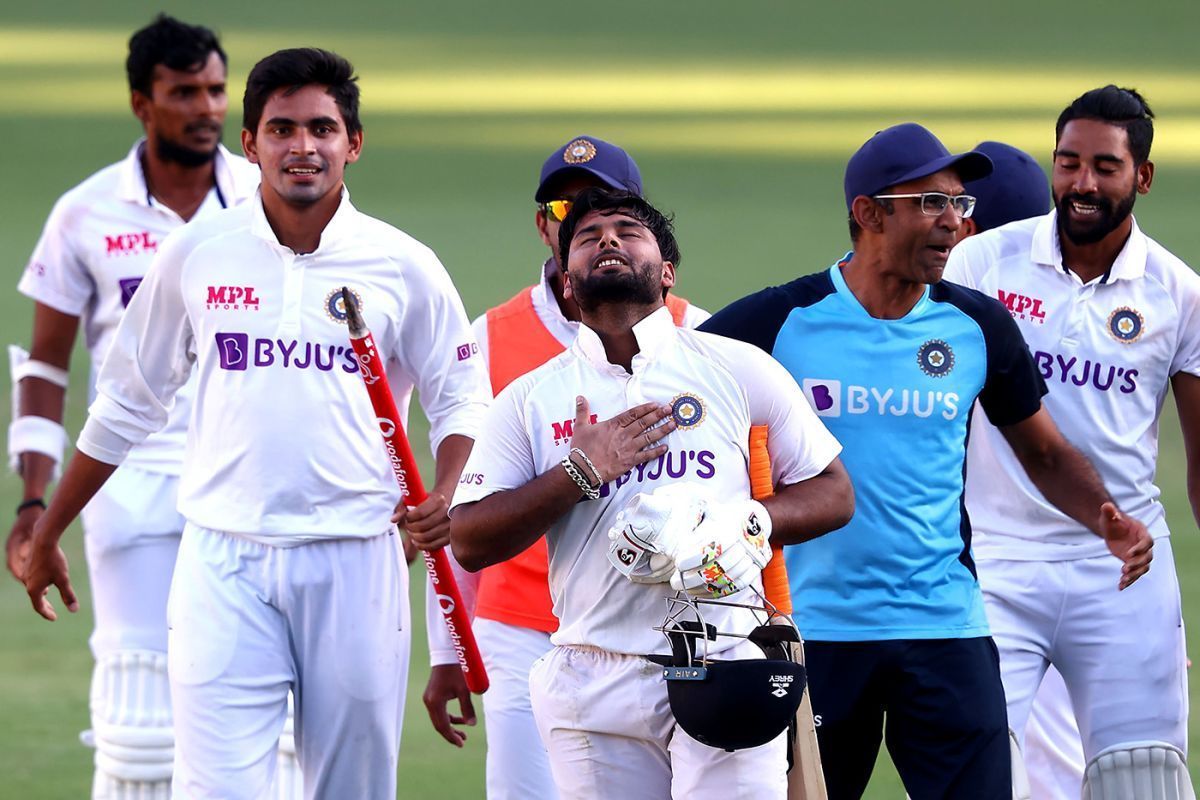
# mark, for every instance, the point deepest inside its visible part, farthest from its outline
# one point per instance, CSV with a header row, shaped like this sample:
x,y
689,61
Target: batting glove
x,y
726,553
647,532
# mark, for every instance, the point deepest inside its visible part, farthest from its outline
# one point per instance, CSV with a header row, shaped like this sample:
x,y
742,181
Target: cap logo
x,y
579,151
1126,324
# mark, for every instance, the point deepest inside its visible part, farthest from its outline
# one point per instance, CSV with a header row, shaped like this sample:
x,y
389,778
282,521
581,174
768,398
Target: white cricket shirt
x,y
94,251
718,387
545,305
1107,350
283,445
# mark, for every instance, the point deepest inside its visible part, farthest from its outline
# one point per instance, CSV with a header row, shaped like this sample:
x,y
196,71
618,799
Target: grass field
x,y
740,115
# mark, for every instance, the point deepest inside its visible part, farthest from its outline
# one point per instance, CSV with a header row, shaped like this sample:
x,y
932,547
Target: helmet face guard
x,y
731,705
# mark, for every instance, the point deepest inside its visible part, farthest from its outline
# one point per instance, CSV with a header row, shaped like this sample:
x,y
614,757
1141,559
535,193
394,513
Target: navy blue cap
x,y
615,168
904,153
1016,189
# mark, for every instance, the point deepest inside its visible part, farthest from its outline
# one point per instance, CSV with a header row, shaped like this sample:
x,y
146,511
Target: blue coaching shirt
x,y
898,394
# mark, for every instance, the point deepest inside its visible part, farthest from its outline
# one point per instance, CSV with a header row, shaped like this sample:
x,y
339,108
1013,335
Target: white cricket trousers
x,y
608,726
517,764
328,619
1053,753
1121,653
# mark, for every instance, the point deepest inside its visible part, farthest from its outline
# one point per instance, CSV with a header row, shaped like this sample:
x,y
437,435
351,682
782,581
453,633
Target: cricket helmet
x,y
734,704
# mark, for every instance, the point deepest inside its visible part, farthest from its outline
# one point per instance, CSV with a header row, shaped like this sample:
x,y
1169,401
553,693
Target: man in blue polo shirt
x,y
894,361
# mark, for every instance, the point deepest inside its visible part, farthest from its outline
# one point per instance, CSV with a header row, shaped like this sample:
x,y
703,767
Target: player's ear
x,y
249,146
356,146
668,275
867,213
966,228
543,228
140,104
1145,176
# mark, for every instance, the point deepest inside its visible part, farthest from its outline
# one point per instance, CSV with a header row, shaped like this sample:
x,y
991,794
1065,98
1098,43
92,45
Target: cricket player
x,y
1113,321
893,361
513,614
1018,189
643,405
289,573
93,253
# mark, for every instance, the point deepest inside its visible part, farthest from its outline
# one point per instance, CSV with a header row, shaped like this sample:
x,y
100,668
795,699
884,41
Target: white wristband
x,y
32,434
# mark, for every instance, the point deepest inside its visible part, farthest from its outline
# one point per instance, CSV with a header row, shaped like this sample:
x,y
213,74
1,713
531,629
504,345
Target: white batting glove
x,y
726,552
648,531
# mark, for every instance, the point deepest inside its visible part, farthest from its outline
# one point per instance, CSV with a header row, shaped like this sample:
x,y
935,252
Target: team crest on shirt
x,y
687,410
335,306
935,358
1126,324
579,151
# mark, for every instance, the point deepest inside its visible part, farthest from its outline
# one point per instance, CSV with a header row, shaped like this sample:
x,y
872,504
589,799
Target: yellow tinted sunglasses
x,y
556,210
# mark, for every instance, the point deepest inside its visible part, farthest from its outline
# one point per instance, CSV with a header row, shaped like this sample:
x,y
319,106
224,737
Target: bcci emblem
x,y
335,306
579,151
687,410
1126,325
935,358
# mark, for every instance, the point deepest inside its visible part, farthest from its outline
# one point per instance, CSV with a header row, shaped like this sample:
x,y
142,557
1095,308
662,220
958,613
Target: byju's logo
x,y
128,287
465,351
826,396
234,350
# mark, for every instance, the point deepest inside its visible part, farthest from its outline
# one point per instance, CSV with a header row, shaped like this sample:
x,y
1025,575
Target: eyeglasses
x,y
933,204
556,210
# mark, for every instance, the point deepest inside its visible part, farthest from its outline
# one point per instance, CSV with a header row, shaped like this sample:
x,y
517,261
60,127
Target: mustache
x,y
203,125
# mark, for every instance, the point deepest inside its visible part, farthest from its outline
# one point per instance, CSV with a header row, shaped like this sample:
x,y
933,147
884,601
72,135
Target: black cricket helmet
x,y
732,705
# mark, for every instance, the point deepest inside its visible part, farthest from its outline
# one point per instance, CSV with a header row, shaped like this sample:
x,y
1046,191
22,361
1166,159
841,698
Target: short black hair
x,y
608,201
1122,107
294,69
174,44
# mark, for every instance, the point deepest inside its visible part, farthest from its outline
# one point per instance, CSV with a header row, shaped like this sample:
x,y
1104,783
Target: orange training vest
x,y
517,591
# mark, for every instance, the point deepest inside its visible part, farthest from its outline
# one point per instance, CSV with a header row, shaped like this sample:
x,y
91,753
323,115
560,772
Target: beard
x,y
1109,216
172,151
637,287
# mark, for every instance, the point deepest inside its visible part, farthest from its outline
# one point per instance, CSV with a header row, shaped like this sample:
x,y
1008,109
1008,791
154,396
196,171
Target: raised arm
x,y
505,523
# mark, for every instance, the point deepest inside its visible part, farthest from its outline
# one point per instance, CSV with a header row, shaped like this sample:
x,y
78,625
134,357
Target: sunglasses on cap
x,y
556,210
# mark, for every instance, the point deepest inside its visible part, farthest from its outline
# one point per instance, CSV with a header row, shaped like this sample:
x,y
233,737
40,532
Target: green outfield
x,y
741,116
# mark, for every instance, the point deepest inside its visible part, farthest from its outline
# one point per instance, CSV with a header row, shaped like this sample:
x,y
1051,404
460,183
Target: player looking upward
x,y
671,406
514,618
893,361
93,253
1113,320
289,574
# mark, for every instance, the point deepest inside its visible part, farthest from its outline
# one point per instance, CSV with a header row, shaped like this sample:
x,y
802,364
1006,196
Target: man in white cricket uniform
x,y
94,251
600,705
510,602
289,573
1113,319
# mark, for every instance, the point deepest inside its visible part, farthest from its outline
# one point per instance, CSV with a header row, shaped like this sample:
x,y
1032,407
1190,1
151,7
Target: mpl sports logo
x,y
1023,307
130,244
237,353
565,430
231,298
829,400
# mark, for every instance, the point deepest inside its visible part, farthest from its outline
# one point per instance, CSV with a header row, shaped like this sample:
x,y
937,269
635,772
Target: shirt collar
x,y
334,230
655,334
1130,263
132,184
544,294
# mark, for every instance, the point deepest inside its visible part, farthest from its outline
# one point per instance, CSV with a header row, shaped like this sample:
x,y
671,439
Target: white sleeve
x,y
55,275
961,267
799,444
1187,354
480,328
502,458
151,357
441,646
437,346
